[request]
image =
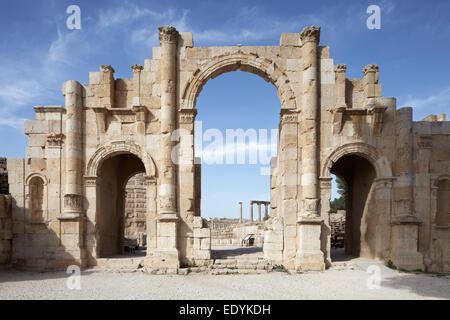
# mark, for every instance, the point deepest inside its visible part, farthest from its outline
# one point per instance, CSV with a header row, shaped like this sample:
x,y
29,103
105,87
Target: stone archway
x,y
367,210
112,165
228,62
248,62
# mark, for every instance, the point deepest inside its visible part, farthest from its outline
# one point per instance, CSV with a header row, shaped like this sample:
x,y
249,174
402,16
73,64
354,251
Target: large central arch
x,y
248,62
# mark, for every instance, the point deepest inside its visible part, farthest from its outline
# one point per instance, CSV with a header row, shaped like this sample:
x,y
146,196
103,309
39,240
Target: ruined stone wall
x,y
6,235
4,187
135,209
432,172
324,116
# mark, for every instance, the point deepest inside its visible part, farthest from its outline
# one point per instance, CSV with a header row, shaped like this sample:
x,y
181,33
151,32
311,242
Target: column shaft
x,y
310,37
73,147
168,37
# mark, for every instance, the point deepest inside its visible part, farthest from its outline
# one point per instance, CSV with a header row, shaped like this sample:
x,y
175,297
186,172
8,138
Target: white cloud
x,y
436,103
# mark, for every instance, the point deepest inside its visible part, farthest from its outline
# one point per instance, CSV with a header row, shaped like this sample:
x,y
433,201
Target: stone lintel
x,y
309,220
49,109
70,217
405,219
168,217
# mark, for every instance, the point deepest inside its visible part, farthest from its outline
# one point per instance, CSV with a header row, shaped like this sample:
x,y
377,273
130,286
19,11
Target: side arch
x,y
249,62
380,163
120,147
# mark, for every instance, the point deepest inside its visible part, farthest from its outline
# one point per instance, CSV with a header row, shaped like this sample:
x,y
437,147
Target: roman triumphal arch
x,y
65,193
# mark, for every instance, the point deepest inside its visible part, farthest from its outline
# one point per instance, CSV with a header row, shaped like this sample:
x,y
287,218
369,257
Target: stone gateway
x,y
67,196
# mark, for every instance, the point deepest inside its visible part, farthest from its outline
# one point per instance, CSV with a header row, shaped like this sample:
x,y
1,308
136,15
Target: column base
x,y
405,231
163,258
309,256
310,260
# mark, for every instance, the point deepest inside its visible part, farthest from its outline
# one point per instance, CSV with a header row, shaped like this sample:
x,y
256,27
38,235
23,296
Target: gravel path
x,y
345,283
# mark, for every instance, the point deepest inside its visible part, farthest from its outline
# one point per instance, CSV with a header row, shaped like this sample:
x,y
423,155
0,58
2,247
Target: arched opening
x,y
239,122
443,203
358,176
114,173
36,189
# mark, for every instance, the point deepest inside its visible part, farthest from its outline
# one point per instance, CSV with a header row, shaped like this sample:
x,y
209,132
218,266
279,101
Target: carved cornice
x,y
168,34
106,68
311,33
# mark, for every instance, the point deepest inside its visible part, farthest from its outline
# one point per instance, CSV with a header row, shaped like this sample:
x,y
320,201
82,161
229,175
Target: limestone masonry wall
x,y
4,187
67,195
6,236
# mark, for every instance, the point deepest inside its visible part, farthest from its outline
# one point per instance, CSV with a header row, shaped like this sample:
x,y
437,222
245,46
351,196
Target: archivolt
x,y
119,147
380,163
249,62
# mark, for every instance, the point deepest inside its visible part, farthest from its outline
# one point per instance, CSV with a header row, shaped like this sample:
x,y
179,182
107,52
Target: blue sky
x,y
38,53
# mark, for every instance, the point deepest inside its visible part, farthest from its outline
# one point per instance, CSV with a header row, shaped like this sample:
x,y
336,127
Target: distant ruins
x,y
66,202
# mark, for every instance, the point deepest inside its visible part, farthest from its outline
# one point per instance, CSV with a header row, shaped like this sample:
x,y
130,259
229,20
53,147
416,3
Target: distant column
x,y
259,211
251,211
240,212
266,211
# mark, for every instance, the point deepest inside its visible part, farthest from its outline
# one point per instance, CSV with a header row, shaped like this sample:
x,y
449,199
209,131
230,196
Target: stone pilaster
x,y
107,86
370,82
72,91
405,225
137,69
339,87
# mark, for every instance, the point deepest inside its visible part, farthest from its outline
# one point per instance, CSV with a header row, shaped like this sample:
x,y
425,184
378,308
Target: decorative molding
x,y
55,139
119,147
325,182
261,66
377,113
91,181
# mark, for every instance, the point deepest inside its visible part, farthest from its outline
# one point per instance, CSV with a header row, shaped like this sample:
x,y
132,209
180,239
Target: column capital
x,y
340,68
311,33
137,68
106,68
168,34
370,68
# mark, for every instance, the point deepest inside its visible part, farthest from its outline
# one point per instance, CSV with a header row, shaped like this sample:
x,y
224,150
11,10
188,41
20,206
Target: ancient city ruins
x,y
66,198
